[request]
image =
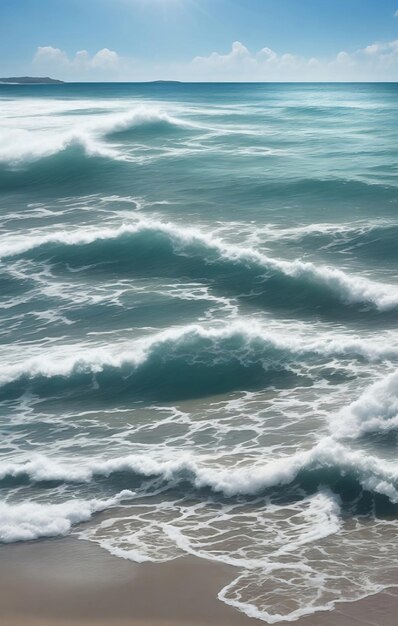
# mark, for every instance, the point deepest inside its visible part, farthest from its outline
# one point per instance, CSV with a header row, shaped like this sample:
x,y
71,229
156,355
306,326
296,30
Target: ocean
x,y
198,319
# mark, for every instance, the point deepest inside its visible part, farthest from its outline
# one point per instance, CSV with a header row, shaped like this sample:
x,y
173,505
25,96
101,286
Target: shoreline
x,y
70,582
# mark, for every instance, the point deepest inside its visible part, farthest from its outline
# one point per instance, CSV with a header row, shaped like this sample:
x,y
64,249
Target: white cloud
x,y
376,62
241,64
51,59
396,14
105,58
50,54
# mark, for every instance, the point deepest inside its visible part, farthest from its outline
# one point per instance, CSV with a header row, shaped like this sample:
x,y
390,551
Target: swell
x,y
20,147
149,244
328,463
372,239
98,155
183,362
145,123
72,163
363,485
346,194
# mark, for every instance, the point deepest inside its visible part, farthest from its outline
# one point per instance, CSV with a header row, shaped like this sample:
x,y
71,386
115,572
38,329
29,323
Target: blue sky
x,y
200,39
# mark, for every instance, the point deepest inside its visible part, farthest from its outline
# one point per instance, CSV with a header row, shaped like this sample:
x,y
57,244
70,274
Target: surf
x,y
191,353
187,241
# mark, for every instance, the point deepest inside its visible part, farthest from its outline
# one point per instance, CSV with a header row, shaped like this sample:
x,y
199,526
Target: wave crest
x,y
19,146
373,474
194,242
30,520
189,359
376,410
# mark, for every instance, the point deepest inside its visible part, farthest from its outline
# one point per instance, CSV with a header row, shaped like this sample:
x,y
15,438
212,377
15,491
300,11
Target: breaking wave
x,y
326,463
19,146
24,146
142,117
163,241
227,390
32,520
189,360
376,410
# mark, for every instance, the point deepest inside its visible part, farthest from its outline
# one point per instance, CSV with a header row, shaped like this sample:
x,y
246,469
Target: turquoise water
x,y
199,299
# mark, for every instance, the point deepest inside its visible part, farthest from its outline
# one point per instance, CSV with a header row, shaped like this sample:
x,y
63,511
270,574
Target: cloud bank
x,y
375,62
378,61
81,65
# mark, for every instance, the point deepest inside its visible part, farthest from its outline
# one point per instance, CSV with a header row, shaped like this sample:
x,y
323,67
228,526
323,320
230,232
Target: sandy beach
x,y
67,582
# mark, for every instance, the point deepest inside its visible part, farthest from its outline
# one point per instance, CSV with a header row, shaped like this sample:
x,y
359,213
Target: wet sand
x,y
66,582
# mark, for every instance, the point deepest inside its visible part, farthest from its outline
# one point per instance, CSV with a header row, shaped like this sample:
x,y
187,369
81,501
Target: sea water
x,y
199,306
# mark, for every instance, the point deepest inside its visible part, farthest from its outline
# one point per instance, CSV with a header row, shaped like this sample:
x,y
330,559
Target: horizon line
x,y
200,82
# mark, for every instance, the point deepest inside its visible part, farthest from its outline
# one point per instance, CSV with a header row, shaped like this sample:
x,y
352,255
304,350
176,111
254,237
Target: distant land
x,y
39,80
30,80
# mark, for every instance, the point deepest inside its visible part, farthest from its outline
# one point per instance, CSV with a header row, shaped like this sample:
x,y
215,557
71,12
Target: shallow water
x,y
199,300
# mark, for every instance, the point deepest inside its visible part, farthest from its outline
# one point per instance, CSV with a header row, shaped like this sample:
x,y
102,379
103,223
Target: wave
x,y
344,192
353,231
376,239
165,238
21,146
186,361
24,146
31,520
367,238
327,463
375,411
83,162
147,118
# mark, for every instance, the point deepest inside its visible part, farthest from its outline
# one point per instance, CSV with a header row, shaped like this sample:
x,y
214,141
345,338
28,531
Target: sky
x,y
200,40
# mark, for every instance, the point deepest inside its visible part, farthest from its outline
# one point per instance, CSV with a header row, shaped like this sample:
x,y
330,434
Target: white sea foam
x,y
26,138
372,473
30,520
376,410
18,145
342,230
138,116
270,542
304,512
350,288
242,339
